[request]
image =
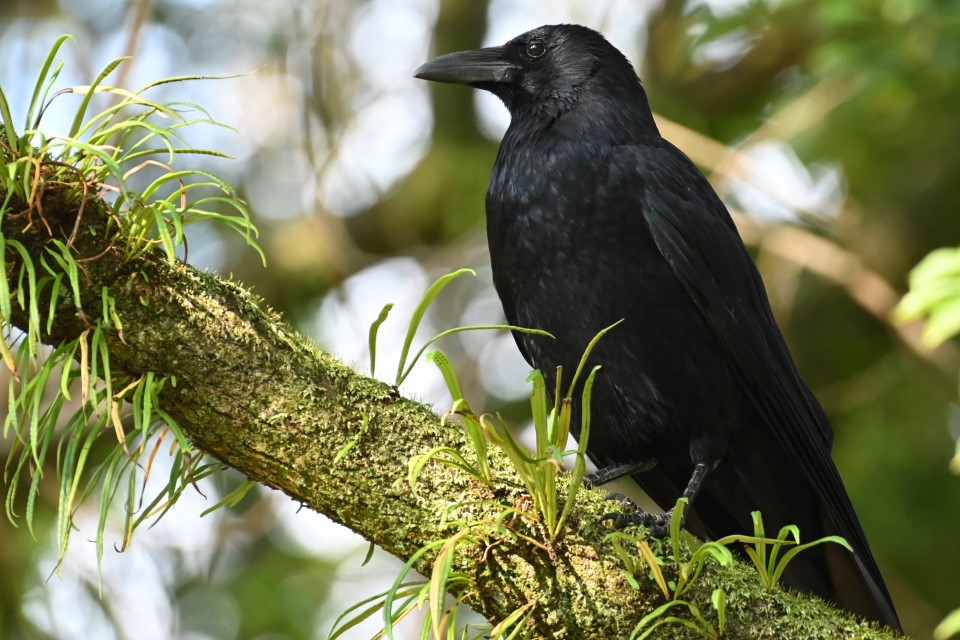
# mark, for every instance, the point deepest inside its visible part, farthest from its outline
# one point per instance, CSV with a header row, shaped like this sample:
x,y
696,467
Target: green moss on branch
x,y
264,400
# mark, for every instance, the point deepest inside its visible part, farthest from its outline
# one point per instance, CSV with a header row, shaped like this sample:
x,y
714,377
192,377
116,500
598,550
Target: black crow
x,y
592,217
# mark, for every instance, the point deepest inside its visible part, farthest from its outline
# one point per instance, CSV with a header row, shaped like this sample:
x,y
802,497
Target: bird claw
x,y
661,527
658,523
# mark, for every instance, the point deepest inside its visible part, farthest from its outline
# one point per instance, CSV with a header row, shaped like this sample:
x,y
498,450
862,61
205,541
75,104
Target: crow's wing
x,y
697,238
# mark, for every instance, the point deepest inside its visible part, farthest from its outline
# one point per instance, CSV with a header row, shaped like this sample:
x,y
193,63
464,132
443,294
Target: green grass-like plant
x,y
64,399
408,594
685,572
765,552
539,471
406,364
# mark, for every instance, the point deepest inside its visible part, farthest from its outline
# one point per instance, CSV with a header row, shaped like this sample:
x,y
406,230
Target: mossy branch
x,y
262,399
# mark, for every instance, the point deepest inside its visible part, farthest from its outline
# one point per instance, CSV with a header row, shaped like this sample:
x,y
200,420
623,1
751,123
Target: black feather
x,y
592,217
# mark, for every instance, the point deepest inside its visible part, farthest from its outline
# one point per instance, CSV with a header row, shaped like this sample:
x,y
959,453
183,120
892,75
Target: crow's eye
x,y
536,48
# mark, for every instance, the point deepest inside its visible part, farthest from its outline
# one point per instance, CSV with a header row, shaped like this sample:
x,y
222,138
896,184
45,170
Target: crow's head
x,y
550,70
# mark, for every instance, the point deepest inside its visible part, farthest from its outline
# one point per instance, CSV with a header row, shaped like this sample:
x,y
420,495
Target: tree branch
x,y
262,399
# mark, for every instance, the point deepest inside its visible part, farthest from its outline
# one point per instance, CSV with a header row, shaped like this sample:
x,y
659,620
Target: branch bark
x,y
262,399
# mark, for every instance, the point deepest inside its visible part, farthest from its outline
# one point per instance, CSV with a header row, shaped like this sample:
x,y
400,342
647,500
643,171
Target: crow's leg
x,y
617,471
659,523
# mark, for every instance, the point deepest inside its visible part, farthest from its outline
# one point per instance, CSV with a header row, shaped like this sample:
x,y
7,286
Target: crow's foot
x,y
659,523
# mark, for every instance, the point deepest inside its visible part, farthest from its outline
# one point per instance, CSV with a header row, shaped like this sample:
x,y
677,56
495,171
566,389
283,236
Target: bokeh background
x,y
829,126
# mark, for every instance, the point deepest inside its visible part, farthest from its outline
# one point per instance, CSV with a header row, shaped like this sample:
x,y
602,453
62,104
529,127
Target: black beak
x,y
481,66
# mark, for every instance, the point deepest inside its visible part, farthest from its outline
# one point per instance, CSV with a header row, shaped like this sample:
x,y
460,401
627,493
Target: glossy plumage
x,y
592,217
